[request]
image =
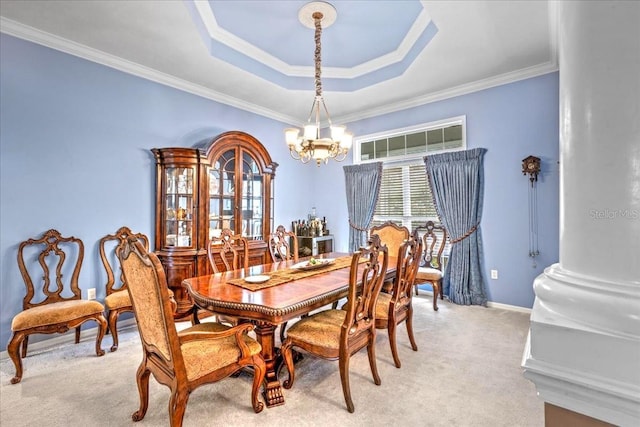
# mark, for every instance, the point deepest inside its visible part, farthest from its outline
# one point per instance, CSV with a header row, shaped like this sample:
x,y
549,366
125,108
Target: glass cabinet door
x,y
251,199
179,209
236,195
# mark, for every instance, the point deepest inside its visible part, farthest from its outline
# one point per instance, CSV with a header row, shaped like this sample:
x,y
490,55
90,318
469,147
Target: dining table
x,y
270,295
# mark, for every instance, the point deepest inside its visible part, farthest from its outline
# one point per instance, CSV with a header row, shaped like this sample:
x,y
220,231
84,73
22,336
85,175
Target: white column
x,y
583,351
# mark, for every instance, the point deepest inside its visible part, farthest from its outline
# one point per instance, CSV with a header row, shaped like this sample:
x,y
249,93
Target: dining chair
x,y
338,334
434,239
391,235
228,252
183,361
117,298
396,307
50,267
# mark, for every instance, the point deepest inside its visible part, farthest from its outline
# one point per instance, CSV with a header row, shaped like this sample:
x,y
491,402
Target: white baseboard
x,y
509,307
490,304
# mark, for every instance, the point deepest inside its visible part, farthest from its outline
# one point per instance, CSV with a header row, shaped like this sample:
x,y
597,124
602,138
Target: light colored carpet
x,y
466,372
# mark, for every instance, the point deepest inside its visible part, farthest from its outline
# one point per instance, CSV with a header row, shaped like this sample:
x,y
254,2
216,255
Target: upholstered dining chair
x,y
50,267
434,238
394,308
338,334
117,298
183,361
391,235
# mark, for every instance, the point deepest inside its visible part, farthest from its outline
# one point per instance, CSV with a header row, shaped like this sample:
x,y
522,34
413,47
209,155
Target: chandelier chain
x,y
317,17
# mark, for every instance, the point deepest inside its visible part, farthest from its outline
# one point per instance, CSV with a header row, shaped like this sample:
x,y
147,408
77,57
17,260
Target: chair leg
x,y
142,378
177,406
371,351
259,371
18,339
77,334
287,354
391,328
102,327
343,362
416,287
409,325
436,292
441,289
113,328
25,343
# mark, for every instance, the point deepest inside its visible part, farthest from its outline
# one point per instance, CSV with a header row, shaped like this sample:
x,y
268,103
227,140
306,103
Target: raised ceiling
x,y
377,57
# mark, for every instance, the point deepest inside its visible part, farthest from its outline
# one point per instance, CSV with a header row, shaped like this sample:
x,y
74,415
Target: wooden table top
x,y
275,304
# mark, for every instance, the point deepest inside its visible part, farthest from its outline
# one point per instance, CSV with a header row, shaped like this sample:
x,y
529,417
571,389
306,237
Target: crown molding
x,y
499,80
52,41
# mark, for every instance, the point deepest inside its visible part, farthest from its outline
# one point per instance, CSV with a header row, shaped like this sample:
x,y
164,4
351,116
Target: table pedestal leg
x,y
265,333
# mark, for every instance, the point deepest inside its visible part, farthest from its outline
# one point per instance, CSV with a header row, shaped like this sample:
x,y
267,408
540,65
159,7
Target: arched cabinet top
x,y
238,139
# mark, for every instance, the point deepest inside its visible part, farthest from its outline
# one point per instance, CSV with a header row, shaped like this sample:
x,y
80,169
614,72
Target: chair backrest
x,y
279,246
364,289
56,271
434,238
109,247
231,251
408,261
152,305
391,235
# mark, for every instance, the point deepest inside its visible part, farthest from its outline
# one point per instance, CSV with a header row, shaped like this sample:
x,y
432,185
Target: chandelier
x,y
311,145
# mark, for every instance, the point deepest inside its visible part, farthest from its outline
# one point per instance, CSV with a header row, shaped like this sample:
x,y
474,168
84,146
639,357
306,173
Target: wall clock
x,y
531,167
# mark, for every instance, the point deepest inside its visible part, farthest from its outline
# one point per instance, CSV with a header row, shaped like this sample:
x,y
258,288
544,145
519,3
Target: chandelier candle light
x,y
311,145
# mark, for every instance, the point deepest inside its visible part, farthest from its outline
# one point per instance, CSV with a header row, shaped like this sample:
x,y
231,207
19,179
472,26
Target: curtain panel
x,y
457,183
363,186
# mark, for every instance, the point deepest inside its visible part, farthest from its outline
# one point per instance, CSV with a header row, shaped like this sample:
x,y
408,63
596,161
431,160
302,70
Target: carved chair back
x,y
231,251
109,247
409,258
279,246
434,238
363,293
54,278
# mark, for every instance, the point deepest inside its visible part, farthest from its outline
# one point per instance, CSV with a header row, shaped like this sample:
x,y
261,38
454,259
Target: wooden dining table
x,y
271,306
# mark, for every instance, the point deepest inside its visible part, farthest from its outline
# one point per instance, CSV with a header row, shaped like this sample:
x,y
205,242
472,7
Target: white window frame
x,y
408,160
359,140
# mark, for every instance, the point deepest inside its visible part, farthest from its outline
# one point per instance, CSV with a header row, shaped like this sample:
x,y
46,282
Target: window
x,y
405,194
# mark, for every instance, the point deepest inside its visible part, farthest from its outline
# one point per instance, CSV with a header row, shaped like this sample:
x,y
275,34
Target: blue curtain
x,y
363,186
457,183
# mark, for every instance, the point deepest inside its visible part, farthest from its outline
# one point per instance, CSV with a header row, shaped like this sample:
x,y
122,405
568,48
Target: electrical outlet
x,y
494,274
91,293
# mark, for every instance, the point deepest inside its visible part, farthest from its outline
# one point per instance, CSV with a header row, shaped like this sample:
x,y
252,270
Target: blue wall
x,y
74,151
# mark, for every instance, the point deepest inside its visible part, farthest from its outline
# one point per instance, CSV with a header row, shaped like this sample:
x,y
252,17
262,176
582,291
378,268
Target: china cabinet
x,y
200,191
